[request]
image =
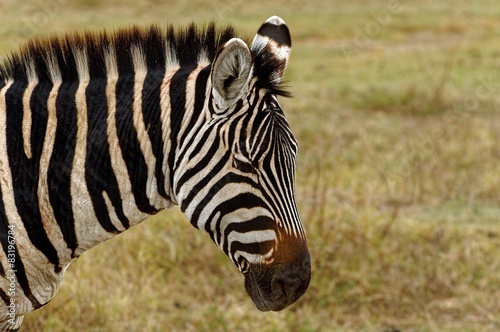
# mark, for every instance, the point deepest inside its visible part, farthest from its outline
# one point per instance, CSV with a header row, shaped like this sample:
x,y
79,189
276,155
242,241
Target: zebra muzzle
x,y
277,285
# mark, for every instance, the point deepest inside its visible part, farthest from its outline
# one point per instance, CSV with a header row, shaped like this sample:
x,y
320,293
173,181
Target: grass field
x,y
396,112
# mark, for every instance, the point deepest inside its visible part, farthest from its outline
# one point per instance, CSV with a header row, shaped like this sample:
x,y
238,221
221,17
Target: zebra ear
x,y
231,72
271,48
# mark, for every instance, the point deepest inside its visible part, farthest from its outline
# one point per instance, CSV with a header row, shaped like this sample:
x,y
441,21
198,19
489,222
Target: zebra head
x,y
235,179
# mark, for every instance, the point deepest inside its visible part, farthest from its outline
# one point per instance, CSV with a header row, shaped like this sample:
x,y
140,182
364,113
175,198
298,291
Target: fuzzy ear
x,y
231,72
272,45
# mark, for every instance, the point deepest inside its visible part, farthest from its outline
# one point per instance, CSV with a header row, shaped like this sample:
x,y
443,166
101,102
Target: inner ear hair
x,y
231,71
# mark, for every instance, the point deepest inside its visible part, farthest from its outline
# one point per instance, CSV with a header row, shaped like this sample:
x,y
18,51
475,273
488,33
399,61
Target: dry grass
x,y
398,176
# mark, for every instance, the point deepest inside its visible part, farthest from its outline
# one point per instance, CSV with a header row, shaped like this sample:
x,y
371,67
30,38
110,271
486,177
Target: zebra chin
x,y
275,286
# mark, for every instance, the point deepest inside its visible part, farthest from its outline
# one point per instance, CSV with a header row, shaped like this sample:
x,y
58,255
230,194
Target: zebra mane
x,y
161,47
266,69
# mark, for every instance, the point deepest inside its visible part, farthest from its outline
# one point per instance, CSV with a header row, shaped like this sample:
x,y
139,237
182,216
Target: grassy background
x,y
396,113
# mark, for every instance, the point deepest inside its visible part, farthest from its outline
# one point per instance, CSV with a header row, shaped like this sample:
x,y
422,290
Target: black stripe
x,y
204,163
271,182
285,198
261,118
39,114
233,133
208,159
178,108
99,173
4,297
199,102
25,172
247,200
264,137
282,160
200,144
129,143
199,186
258,248
18,263
244,149
201,89
61,162
151,97
259,223
154,49
151,112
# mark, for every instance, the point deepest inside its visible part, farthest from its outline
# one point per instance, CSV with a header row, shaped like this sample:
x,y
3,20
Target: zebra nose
x,y
285,288
289,283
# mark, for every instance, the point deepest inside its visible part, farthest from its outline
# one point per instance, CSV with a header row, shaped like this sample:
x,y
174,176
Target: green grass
x,y
398,179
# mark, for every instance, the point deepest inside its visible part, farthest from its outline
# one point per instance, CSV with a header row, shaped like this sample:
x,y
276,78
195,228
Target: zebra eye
x,y
244,265
244,167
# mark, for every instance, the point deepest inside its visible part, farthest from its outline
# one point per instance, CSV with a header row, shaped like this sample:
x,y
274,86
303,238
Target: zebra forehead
x,y
270,129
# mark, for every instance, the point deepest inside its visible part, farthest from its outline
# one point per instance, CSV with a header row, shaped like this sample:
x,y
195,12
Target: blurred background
x,y
396,110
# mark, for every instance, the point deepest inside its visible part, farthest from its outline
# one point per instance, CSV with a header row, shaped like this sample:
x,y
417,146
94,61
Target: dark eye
x,y
245,167
244,265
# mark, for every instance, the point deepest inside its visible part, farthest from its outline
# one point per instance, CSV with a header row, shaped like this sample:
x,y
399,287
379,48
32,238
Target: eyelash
x,y
243,166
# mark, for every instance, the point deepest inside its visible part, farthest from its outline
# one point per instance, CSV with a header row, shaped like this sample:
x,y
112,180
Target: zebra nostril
x,y
289,283
286,287
279,288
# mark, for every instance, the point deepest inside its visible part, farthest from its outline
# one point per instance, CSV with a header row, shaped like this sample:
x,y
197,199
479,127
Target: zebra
x,y
99,130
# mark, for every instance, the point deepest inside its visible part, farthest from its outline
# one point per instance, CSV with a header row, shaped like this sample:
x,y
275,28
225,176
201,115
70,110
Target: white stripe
x,y
26,126
27,122
165,126
255,258
140,69
110,61
82,64
190,92
53,67
112,214
252,236
203,59
170,56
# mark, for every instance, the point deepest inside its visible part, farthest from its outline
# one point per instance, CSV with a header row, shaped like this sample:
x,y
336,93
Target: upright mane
x,y
183,46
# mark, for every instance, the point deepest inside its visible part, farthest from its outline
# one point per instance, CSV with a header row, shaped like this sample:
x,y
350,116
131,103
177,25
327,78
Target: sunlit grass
x,y
397,181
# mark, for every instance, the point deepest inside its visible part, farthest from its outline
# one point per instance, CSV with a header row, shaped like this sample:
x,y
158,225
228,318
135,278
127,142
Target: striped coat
x,y
100,130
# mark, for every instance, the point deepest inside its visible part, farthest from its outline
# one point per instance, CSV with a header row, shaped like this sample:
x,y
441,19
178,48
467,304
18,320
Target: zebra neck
x,y
149,115
150,120
94,157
